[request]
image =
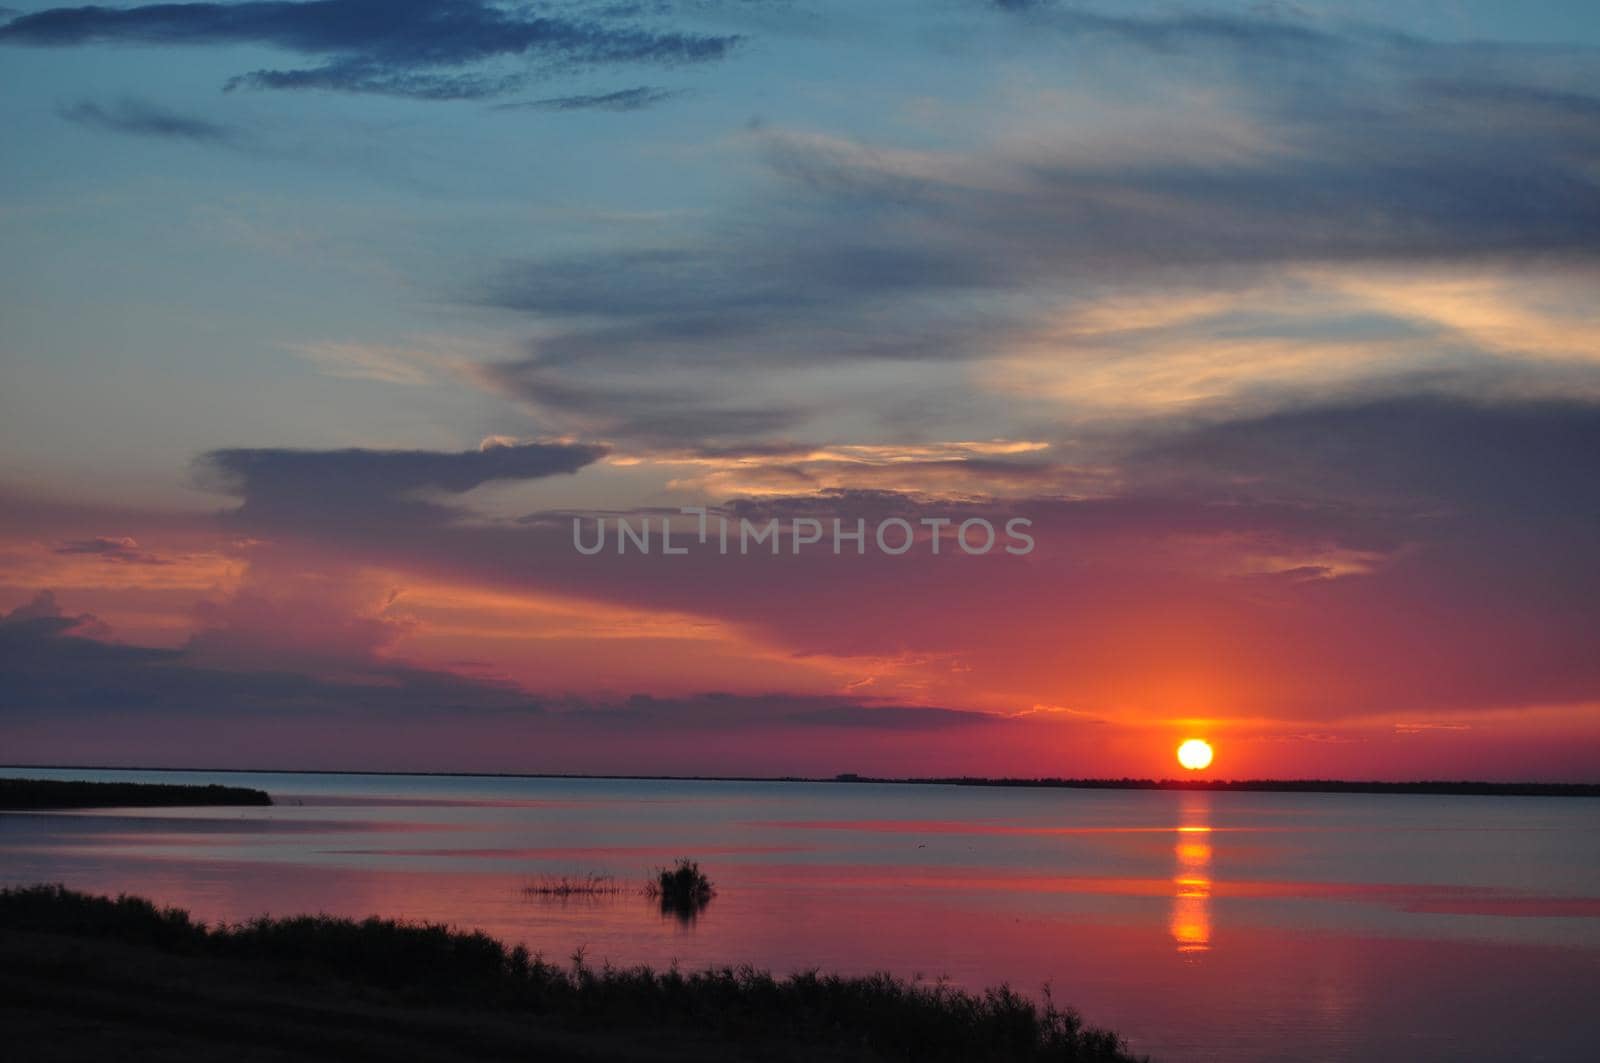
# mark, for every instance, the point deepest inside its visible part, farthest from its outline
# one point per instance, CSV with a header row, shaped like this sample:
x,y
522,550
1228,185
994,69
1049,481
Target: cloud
x,y
892,717
336,486
1327,561
1387,558
386,364
123,549
58,666
634,99
393,47
43,611
377,80
1491,461
238,665
767,711
953,470
1195,153
141,118
1266,31
637,406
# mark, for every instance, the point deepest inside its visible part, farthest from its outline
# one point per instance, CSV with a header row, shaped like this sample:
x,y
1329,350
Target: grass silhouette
x,y
742,1011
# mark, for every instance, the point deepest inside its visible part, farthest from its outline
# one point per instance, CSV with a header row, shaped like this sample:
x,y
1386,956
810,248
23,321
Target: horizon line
x,y
1437,787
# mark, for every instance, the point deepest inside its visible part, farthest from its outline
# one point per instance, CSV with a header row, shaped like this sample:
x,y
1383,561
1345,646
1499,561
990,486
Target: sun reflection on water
x,y
1190,922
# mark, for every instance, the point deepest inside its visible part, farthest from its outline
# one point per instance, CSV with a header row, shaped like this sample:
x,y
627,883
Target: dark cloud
x,y
634,99
394,47
643,409
892,717
141,118
377,80
356,485
732,712
1525,462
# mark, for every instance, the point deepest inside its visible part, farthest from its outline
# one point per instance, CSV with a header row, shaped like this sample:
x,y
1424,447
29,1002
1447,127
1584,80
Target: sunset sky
x,y
321,321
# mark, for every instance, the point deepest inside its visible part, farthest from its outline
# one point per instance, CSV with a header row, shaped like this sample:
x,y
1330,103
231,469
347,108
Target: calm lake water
x,y
1230,927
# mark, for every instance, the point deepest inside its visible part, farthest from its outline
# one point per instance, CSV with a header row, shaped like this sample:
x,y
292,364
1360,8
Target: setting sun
x,y
1195,754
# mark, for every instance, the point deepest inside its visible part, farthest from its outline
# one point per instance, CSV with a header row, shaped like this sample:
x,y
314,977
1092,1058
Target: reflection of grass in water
x,y
563,887
727,1012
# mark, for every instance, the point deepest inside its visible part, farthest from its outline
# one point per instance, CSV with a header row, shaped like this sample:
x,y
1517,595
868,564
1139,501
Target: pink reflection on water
x,y
401,801
1192,881
575,851
936,826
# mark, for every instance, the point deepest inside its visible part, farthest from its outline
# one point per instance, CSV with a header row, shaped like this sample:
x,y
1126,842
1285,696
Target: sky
x,y
331,330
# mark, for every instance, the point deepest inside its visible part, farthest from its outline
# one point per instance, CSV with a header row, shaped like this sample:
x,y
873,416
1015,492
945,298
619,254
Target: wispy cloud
x,y
123,549
1245,147
634,99
411,48
141,118
383,363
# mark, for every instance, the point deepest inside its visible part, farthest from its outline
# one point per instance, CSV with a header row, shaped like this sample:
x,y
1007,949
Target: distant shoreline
x,y
1463,787
45,795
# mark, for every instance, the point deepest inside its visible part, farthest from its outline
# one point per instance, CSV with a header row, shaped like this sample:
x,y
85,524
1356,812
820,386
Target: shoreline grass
x,y
741,1010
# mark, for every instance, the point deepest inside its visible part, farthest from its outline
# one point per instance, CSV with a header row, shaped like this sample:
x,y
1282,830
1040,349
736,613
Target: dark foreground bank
x,y
26,794
84,977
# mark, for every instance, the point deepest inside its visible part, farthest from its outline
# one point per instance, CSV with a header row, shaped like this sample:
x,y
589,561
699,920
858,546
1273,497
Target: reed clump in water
x,y
589,884
683,889
682,883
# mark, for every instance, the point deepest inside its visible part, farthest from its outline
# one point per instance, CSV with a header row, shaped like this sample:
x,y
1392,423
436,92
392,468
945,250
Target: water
x,y
1229,927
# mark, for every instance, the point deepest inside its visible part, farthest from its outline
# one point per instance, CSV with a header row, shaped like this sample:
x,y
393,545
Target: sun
x,y
1195,754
